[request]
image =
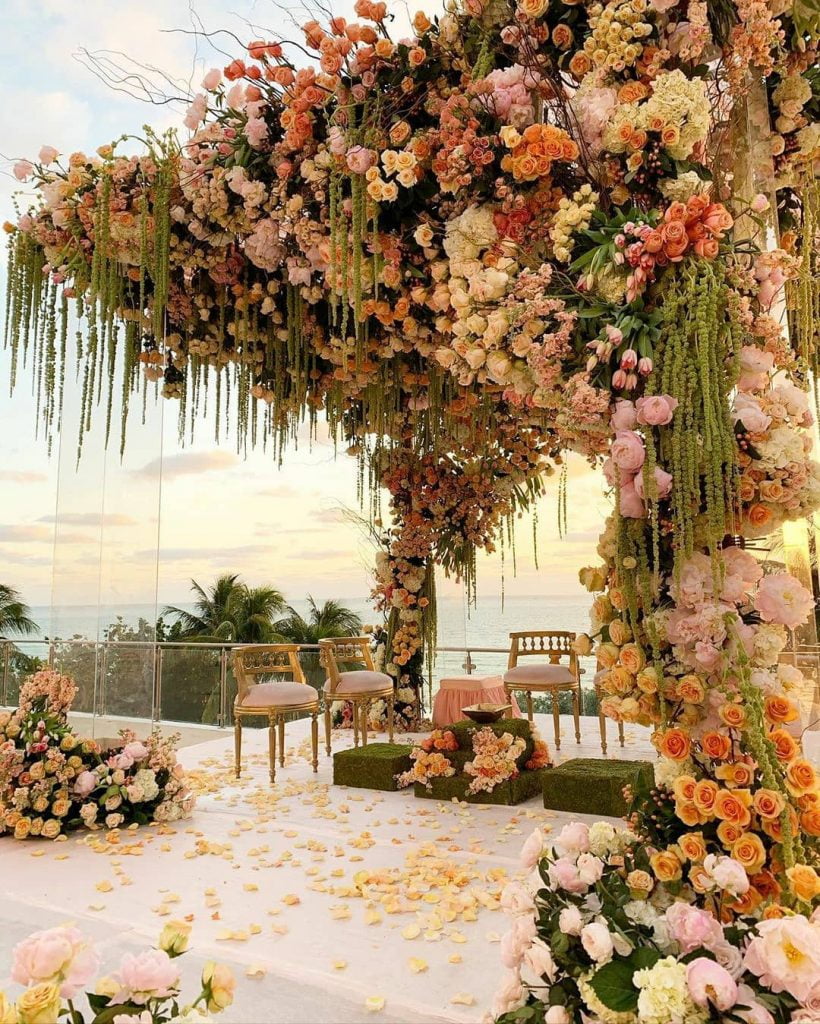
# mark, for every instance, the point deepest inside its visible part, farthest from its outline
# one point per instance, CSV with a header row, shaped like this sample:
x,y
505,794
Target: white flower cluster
x,y
571,217
664,995
678,108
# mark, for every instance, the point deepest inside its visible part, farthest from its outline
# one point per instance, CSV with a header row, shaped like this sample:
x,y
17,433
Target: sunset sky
x,y
134,531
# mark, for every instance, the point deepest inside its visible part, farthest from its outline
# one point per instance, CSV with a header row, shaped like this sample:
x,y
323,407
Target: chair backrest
x,y
345,650
553,644
265,660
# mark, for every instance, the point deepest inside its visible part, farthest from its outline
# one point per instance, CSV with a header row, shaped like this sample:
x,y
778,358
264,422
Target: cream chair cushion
x,y
282,694
542,674
361,681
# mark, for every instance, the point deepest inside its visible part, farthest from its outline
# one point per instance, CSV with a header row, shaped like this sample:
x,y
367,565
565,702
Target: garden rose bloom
x,y
573,839
360,159
516,899
623,417
538,959
85,784
212,79
532,849
630,503
655,410
148,975
61,956
39,1004
708,982
509,995
784,600
597,941
23,169
256,131
692,928
628,451
663,483
570,921
785,955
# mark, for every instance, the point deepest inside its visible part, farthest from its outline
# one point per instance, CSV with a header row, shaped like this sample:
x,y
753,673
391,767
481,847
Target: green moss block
x,y
372,767
507,794
464,734
589,785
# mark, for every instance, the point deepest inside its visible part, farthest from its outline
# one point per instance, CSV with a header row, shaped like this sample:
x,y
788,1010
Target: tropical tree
x,y
228,610
15,616
331,619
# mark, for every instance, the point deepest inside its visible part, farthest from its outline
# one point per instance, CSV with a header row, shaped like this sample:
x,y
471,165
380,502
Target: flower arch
x,y
524,228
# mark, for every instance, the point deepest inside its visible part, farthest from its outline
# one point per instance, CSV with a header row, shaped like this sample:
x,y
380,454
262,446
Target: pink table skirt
x,y
462,691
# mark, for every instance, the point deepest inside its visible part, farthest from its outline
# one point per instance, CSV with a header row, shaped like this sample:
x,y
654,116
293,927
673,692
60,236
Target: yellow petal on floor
x,y
457,937
372,917
255,929
291,899
455,958
250,887
339,965
340,912
279,929
412,931
374,1004
417,965
462,999
255,971
104,886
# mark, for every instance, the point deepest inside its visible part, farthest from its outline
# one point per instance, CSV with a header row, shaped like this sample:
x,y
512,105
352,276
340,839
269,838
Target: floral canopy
x,y
522,229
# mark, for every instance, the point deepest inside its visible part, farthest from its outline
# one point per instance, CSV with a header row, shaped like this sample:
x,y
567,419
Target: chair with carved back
x,y
548,675
272,698
359,686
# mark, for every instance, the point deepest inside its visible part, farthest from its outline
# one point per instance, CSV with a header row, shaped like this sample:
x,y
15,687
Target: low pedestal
x,y
588,785
372,767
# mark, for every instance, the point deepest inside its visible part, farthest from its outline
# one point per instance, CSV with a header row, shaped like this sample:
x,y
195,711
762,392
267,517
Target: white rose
x,y
538,959
597,941
516,898
570,921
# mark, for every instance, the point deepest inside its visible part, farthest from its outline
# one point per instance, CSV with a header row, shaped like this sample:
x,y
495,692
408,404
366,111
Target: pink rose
x,y
755,1012
692,928
627,451
47,154
532,850
563,874
360,159
135,750
256,131
22,170
149,975
570,921
655,410
509,995
630,504
760,203
623,418
84,784
784,600
59,956
708,982
747,410
511,951
557,1015
212,79
572,839
538,959
663,482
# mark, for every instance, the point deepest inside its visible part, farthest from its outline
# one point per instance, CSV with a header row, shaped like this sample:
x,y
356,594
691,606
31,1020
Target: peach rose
x,y
800,777
785,745
684,787
736,774
580,65
768,804
747,903
632,658
705,795
691,689
647,680
734,715
780,709
689,814
759,515
674,744
810,821
767,885
666,866
804,882
716,745
693,846
699,878
774,828
749,851
728,833
734,805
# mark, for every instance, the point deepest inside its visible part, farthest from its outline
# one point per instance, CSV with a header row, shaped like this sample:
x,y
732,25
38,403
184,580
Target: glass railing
x,y
193,683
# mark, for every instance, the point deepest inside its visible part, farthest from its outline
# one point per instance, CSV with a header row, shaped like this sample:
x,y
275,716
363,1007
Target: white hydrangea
x,y
146,781
664,995
683,187
602,838
466,236
667,770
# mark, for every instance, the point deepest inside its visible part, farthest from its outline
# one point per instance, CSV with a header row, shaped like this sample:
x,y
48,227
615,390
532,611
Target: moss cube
x,y
372,767
464,730
588,785
514,791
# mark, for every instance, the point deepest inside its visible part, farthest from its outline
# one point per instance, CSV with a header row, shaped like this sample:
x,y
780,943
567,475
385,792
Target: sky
x,y
108,531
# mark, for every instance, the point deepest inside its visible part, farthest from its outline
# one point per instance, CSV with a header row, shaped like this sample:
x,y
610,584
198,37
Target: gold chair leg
x,y
328,726
391,714
529,706
602,727
556,719
576,712
281,741
272,747
365,716
314,739
355,723
237,744
621,733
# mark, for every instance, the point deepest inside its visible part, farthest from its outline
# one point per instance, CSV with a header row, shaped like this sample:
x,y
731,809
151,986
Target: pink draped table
x,y
462,691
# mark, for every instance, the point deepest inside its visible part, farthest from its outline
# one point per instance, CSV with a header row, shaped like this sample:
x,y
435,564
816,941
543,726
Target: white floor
x,y
326,895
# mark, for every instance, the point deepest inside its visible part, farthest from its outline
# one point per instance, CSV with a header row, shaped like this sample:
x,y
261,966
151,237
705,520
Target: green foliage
x,y
15,618
230,610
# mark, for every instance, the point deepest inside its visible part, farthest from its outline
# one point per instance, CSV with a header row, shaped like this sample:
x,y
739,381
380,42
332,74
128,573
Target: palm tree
x,y
331,619
230,610
14,615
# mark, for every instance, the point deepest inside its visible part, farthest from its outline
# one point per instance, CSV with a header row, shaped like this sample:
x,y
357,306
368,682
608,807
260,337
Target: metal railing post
x,y
221,717
103,663
157,708
51,654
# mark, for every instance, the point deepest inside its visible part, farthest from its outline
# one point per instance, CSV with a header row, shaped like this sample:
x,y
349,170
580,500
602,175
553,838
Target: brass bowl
x,y
484,713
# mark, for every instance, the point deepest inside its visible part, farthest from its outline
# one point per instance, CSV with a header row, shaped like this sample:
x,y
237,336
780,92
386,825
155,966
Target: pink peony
x,y
627,451
784,600
655,410
572,839
623,417
663,482
360,159
785,955
256,131
84,784
709,983
692,928
59,956
135,750
22,170
149,975
212,79
631,505
563,874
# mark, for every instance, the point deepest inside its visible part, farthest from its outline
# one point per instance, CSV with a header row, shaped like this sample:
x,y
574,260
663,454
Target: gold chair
x,y
599,692
545,676
274,699
359,686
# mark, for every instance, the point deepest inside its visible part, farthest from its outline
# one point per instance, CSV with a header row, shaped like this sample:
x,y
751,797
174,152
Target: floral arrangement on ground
x,y
58,965
52,781
597,937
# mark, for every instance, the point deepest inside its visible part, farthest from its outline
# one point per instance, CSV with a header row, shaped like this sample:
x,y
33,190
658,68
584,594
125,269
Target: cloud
x,y
22,476
89,519
221,557
312,555
188,464
329,515
19,533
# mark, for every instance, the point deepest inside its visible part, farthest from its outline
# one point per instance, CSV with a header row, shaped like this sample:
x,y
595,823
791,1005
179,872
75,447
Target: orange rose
x,y
693,846
747,903
670,135
666,865
734,715
728,833
785,745
716,745
804,882
705,795
734,805
750,852
800,777
684,787
738,773
774,910
674,744
579,65
767,885
780,709
759,515
768,804
774,828
647,681
689,814
632,658
562,36
810,821
691,689
699,878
